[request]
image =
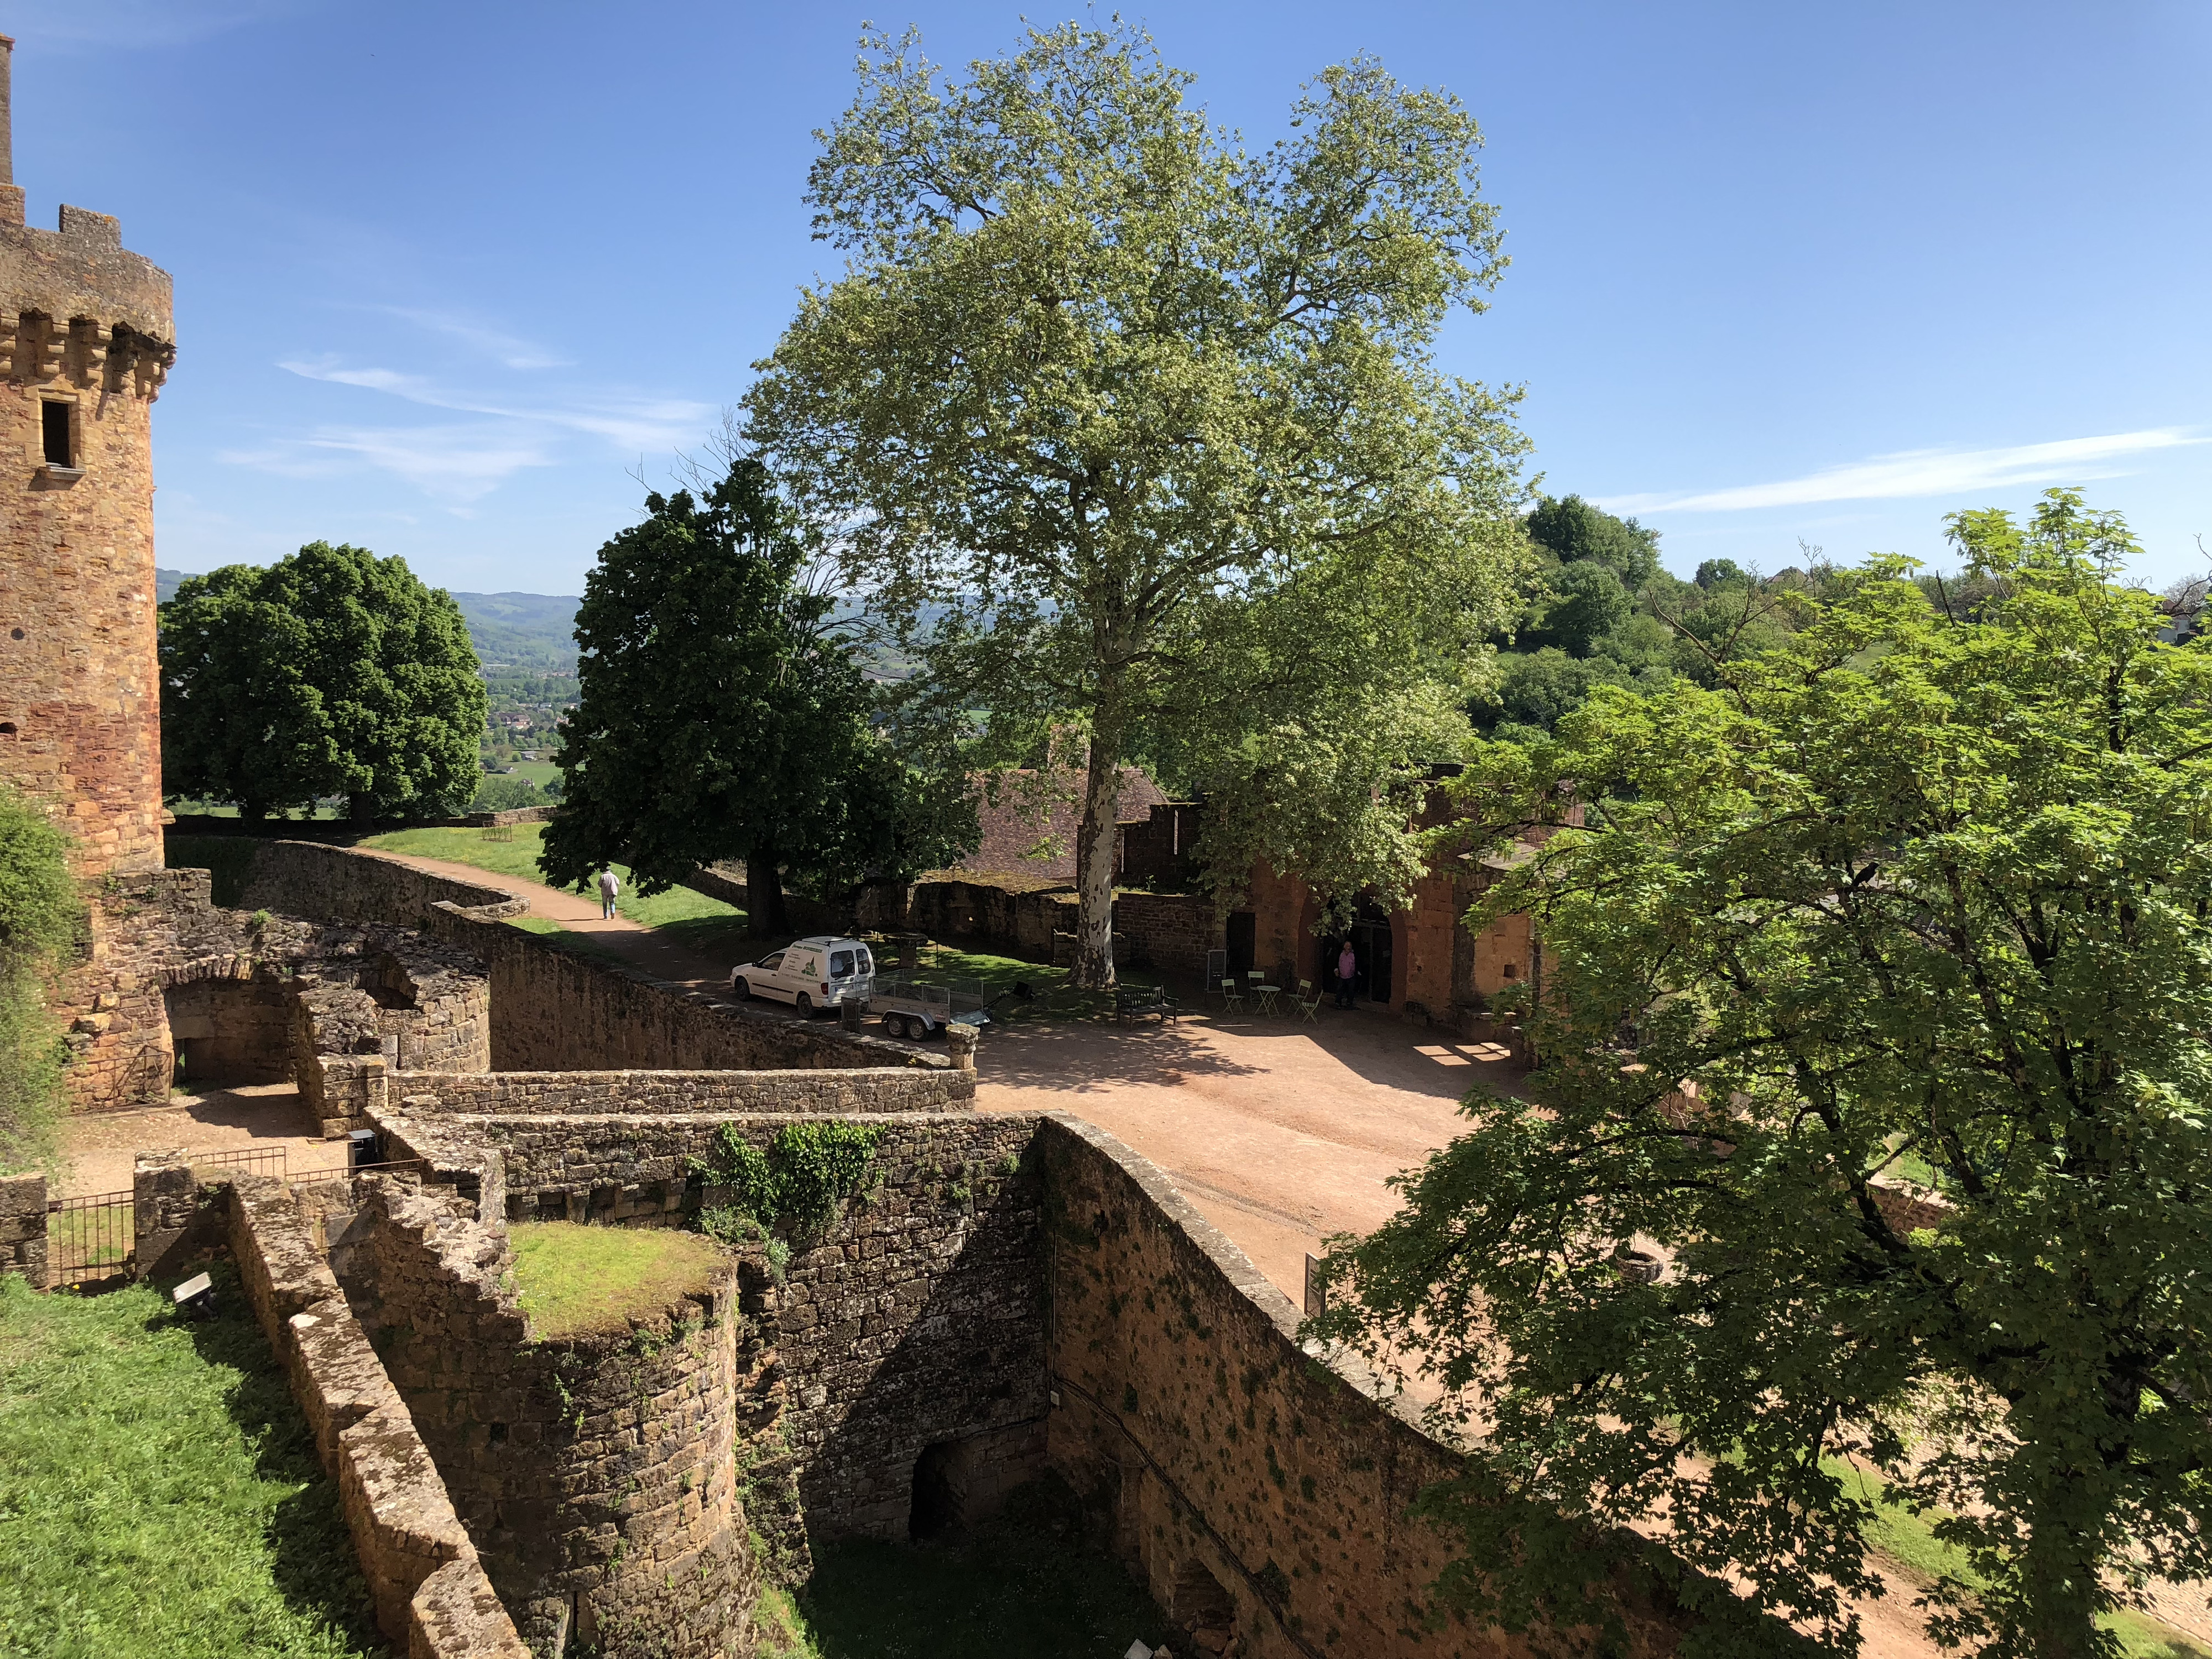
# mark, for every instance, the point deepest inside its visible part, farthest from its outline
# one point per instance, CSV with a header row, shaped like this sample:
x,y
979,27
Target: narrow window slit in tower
x,y
56,416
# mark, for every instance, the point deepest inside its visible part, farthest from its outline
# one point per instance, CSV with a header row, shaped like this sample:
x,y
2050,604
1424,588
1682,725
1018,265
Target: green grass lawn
x,y
517,856
571,1280
1025,1587
1053,997
538,772
160,1496
1910,1540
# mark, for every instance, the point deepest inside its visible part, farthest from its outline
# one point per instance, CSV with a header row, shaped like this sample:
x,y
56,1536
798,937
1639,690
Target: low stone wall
x,y
552,1010
594,1473
1256,1488
432,1598
208,824
556,1011
341,884
23,1227
879,1089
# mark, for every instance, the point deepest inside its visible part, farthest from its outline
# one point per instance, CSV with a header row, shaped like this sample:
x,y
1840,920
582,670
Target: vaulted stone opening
x,y
231,1031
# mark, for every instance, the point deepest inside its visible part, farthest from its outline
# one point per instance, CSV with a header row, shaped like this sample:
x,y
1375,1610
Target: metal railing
x,y
261,1160
89,1239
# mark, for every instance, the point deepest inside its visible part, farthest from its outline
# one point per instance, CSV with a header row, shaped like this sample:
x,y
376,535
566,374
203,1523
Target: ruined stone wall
x,y
553,1010
915,1320
594,1473
1233,1461
151,930
231,1030
1169,932
690,1093
432,1598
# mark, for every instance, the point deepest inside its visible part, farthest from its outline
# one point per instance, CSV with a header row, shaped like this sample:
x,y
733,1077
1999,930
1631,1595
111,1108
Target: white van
x,y
809,974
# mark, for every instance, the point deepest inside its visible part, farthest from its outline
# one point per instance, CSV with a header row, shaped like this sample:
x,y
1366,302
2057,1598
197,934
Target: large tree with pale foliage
x,y
1915,898
1143,426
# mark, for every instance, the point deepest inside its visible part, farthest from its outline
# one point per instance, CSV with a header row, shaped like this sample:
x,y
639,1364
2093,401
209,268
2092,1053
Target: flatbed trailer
x,y
912,1007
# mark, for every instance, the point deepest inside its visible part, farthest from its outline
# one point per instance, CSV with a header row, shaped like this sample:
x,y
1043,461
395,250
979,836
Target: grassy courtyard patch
x,y
572,1281
160,1495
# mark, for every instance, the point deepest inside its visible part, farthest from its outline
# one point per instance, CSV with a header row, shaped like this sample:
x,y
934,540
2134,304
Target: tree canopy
x,y
330,672
1909,902
721,713
1139,432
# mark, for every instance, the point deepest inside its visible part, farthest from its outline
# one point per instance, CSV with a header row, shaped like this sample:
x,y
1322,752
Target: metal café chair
x,y
1308,1001
1232,1000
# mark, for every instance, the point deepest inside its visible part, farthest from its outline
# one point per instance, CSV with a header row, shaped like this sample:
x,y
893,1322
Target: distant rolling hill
x,y
532,631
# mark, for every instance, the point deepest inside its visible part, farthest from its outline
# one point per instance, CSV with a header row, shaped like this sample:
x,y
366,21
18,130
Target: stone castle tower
x,y
85,338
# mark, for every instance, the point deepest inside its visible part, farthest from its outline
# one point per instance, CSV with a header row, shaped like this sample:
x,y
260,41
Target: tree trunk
x,y
2062,1583
1096,846
765,915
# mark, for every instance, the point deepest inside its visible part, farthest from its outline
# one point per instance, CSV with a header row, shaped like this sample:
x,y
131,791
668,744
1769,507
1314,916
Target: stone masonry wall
x,y
882,1089
594,1473
1229,1456
552,1010
1168,932
23,1227
433,1599
916,1320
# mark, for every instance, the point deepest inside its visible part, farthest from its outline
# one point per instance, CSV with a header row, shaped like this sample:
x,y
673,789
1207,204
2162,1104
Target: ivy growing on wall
x,y
808,1170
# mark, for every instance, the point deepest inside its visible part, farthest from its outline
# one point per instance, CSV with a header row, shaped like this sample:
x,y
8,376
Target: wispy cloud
x,y
1925,472
492,342
629,422
454,465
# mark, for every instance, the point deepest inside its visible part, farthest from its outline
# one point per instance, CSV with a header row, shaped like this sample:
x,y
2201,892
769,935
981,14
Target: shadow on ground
x,y
1033,1584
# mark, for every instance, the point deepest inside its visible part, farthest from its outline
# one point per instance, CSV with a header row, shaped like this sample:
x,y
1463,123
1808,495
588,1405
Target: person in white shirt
x,y
608,888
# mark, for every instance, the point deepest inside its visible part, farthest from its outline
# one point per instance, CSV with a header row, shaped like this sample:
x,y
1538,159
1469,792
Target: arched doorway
x,y
1370,933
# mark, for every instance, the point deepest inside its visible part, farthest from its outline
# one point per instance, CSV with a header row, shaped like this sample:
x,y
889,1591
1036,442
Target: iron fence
x,y
261,1160
89,1239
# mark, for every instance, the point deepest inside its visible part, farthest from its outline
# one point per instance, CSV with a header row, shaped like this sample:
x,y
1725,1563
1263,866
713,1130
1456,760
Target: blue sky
x,y
447,276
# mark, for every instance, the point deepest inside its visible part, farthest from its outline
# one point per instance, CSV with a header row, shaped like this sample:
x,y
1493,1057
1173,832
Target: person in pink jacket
x,y
1348,967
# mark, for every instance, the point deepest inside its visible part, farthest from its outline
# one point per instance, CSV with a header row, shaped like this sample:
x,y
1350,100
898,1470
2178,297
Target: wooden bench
x,y
1135,1002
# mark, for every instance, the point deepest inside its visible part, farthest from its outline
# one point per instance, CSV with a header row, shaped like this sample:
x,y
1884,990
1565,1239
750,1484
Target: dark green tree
x,y
722,714
1572,530
330,672
1910,897
1722,573
1588,605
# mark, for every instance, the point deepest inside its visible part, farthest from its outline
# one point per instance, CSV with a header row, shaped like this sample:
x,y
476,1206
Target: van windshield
x,y
840,963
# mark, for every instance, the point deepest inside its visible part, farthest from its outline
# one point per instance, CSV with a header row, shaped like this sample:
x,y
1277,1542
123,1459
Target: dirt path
x,y
633,941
